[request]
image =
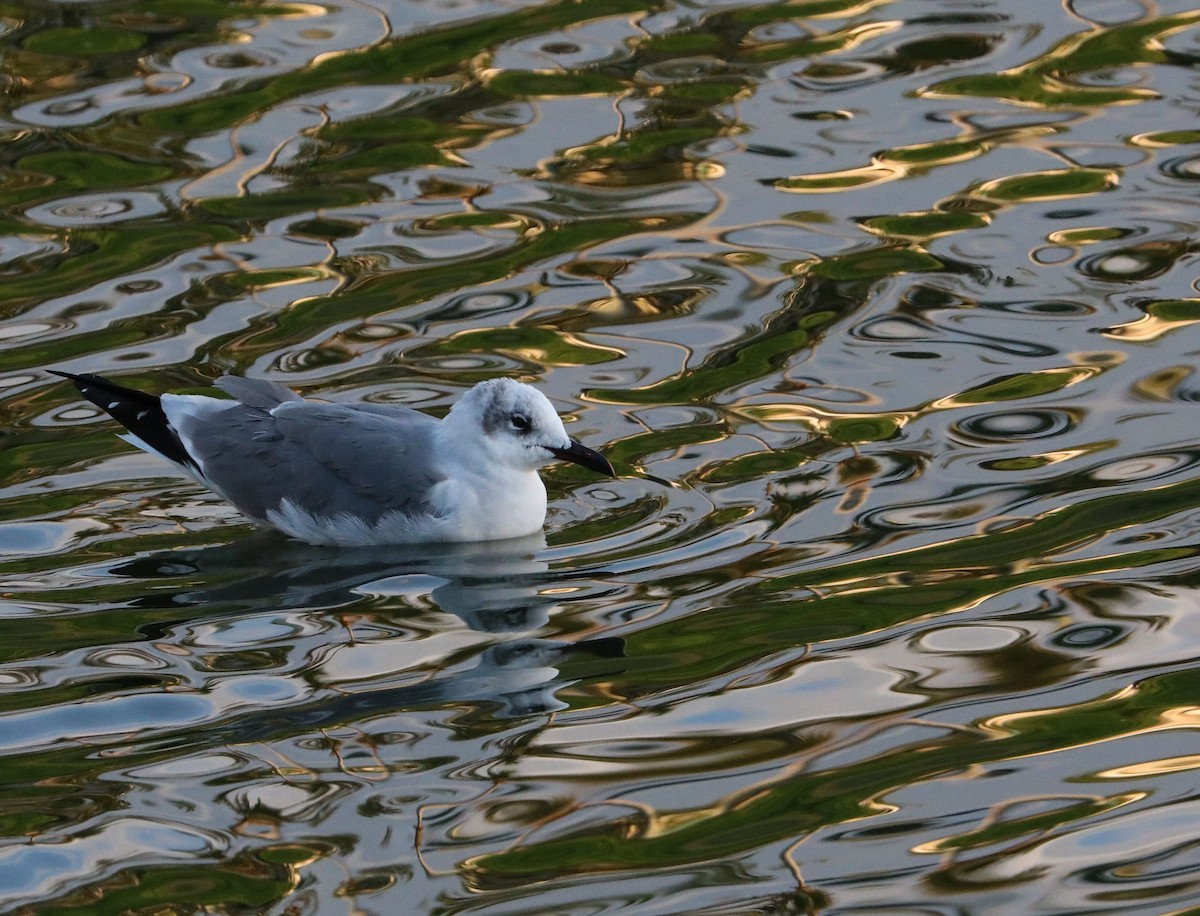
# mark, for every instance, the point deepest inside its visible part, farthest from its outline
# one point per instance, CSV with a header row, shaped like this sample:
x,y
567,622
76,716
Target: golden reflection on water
x,y
905,556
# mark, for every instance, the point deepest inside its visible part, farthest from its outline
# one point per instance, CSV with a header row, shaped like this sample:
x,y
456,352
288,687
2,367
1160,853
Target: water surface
x,y
883,309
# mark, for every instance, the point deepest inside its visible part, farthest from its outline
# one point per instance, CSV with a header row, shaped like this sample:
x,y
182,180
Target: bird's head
x,y
518,428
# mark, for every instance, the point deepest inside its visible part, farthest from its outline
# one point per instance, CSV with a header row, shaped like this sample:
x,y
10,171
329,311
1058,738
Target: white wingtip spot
x,y
141,414
113,405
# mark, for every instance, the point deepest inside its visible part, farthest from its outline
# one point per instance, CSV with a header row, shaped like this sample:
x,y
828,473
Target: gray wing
x,y
329,459
256,392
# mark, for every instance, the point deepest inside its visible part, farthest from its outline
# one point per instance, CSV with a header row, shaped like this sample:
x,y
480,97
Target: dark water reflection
x,y
886,313
498,589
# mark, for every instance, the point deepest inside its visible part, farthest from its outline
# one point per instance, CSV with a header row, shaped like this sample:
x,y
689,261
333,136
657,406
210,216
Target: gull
x,y
357,474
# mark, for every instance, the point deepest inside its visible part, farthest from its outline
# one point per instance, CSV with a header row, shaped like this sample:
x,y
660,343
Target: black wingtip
x,y
137,411
84,378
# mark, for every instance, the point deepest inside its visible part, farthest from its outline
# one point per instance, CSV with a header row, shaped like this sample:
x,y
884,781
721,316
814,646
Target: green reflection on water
x,y
84,42
427,54
1048,80
568,213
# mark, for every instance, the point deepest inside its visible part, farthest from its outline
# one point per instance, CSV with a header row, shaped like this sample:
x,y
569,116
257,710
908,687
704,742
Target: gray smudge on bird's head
x,y
495,401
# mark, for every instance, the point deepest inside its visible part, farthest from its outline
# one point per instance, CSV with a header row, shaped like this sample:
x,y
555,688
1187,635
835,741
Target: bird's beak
x,y
583,455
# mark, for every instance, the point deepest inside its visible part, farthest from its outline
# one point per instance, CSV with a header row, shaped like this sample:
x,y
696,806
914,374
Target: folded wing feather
x,y
328,459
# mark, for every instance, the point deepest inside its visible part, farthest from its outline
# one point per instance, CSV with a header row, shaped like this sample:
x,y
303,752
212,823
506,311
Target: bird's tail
x,y
137,411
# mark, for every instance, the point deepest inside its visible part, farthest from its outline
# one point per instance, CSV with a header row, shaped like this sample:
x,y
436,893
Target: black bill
x,y
582,455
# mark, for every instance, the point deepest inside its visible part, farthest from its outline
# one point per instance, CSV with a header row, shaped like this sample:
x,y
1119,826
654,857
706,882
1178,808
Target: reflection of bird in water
x,y
492,585
358,474
497,587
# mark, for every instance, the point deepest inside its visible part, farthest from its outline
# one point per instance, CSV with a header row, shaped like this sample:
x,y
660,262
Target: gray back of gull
x,y
329,459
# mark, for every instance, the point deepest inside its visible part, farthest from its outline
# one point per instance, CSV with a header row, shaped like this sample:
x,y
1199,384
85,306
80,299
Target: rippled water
x,y
884,311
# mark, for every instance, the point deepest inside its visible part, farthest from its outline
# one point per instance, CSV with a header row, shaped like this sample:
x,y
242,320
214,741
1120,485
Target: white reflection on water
x,y
901,300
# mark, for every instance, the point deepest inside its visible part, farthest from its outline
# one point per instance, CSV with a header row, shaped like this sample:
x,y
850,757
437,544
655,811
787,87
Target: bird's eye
x,y
520,422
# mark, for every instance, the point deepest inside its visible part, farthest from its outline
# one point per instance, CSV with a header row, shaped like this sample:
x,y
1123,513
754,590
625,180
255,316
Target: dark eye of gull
x,y
520,423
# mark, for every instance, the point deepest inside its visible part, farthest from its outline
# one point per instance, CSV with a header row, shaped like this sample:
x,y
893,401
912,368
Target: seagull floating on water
x,y
358,474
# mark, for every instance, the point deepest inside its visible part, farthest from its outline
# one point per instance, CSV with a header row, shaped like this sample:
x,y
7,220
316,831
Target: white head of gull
x,y
358,474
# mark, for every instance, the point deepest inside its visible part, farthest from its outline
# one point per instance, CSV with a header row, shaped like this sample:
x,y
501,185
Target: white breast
x,y
501,505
